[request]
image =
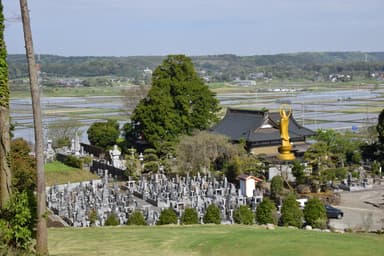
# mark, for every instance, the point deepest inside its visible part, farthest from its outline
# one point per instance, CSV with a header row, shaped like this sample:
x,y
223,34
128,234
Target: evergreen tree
x,y
167,216
136,218
111,220
298,172
190,217
103,134
277,186
212,215
178,103
315,213
243,215
266,212
291,214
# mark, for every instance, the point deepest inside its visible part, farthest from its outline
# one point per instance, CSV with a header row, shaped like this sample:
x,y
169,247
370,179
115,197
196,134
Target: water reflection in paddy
x,y
316,110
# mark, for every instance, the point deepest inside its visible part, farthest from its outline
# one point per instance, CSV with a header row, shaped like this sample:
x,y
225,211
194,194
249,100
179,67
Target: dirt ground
x,y
363,210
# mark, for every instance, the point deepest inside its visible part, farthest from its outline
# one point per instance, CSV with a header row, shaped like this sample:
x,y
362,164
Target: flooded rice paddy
x,y
339,109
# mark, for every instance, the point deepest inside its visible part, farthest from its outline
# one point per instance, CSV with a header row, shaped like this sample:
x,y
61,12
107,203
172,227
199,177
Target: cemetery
x,y
150,195
120,195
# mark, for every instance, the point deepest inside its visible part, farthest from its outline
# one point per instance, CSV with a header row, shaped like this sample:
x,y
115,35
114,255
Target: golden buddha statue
x,y
286,147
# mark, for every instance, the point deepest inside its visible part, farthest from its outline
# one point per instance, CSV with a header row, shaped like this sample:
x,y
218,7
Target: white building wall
x,y
250,186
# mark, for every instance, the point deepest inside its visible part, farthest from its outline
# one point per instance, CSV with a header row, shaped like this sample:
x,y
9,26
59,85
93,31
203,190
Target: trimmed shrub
x,y
112,220
277,186
136,218
291,214
190,217
243,215
167,216
73,161
92,216
212,215
315,213
266,212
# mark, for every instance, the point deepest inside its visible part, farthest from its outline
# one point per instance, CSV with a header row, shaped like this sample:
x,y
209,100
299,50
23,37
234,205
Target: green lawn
x,y
210,240
59,173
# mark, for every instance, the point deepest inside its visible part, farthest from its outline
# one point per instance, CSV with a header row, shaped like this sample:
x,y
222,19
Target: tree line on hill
x,y
217,68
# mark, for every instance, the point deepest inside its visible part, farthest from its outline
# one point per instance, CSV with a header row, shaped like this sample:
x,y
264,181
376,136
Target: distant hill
x,y
218,67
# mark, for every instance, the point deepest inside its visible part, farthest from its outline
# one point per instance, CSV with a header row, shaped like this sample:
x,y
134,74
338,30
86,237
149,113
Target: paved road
x,y
362,210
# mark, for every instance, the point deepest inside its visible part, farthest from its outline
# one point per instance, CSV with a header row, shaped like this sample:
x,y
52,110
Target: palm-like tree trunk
x,y
5,141
42,242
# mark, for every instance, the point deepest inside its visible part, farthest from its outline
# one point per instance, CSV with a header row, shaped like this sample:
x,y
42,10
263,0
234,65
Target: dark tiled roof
x,y
247,124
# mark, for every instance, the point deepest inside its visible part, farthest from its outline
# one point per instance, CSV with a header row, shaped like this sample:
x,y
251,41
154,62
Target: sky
x,y
196,27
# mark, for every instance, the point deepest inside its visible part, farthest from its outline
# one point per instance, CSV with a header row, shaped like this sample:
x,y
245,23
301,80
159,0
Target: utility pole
x,y
42,238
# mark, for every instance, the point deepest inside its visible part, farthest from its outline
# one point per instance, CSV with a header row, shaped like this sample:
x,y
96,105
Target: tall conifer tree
x,y
178,103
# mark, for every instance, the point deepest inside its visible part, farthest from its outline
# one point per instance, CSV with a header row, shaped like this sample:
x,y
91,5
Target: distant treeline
x,y
310,66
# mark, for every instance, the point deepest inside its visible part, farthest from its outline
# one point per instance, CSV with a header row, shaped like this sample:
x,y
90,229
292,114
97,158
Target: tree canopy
x,y
201,150
103,134
178,103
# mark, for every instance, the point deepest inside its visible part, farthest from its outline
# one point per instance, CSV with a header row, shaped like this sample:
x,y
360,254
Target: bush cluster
x,y
167,216
190,217
136,218
73,161
266,212
243,215
315,213
212,215
112,220
291,214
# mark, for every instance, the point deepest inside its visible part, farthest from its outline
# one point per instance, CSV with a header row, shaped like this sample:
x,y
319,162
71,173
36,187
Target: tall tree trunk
x,y
42,239
5,141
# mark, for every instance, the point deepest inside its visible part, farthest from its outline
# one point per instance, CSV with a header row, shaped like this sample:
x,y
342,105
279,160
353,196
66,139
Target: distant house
x,y
260,130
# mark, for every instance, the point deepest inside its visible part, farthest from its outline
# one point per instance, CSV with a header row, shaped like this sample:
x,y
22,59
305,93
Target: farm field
x,y
342,107
209,240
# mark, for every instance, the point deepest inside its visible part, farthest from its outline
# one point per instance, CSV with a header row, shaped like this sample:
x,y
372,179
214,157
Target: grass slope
x,y
209,240
59,173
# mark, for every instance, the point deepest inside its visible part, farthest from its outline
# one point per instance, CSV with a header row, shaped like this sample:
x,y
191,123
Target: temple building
x,y
260,130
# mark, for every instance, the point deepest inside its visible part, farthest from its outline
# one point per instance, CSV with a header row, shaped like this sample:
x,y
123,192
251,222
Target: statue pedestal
x,y
285,153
